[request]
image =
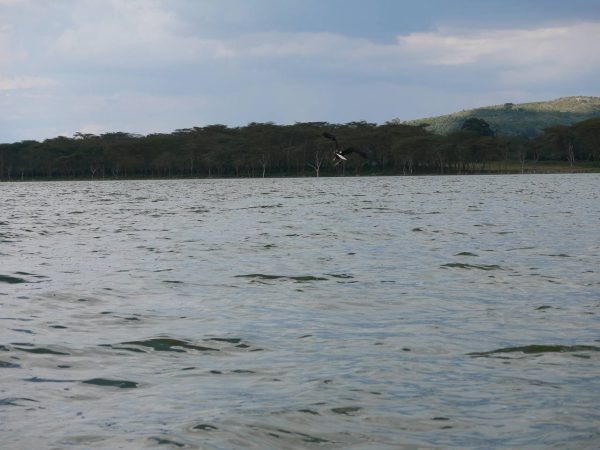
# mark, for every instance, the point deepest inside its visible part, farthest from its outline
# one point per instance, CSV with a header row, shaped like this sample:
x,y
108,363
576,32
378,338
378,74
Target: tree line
x,y
267,149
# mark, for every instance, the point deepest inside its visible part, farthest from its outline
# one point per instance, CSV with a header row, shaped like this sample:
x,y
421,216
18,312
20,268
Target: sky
x,y
149,66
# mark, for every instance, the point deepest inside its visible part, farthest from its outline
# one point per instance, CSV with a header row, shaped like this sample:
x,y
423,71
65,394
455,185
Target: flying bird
x,y
339,156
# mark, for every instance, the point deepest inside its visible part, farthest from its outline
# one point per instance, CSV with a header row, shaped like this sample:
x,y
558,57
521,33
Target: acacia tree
x,y
261,149
561,137
518,147
588,137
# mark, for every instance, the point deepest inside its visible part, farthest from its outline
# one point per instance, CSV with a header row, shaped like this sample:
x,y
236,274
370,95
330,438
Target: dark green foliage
x,y
266,149
477,126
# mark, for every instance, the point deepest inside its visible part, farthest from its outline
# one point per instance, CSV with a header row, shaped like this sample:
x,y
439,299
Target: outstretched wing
x,y
354,150
332,137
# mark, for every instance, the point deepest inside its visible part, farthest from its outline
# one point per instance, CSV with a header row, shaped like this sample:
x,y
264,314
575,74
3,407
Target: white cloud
x,y
9,53
136,33
24,82
130,33
520,55
93,128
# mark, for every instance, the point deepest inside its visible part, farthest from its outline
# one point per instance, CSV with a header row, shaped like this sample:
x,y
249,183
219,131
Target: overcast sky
x,y
148,66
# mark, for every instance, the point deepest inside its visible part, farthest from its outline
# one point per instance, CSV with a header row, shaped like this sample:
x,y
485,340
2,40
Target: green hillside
x,y
527,119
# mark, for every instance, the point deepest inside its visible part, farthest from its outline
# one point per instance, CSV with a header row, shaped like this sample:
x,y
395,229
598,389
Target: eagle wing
x,y
332,137
353,150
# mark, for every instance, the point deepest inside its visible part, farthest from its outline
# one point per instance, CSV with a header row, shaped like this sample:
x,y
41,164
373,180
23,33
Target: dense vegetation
x,y
522,119
266,149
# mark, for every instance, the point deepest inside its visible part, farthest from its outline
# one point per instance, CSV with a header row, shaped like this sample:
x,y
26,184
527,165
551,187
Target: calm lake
x,y
350,313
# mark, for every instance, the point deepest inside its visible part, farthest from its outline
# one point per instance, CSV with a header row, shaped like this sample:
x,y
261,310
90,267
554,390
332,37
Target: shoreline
x,y
550,168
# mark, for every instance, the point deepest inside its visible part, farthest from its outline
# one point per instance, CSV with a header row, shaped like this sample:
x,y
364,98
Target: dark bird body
x,y
339,156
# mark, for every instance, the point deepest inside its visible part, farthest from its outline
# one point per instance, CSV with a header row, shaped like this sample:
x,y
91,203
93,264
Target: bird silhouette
x,y
339,156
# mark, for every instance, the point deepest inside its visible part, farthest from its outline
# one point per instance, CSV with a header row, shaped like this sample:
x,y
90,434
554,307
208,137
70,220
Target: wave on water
x,y
538,349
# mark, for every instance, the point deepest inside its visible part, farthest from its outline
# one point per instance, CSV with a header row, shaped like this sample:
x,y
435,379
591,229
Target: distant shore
x,y
260,150
494,168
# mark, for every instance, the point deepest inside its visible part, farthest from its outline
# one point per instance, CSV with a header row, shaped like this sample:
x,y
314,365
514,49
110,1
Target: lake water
x,y
351,313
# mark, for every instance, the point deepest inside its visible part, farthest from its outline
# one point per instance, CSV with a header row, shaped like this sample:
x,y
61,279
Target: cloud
x,y
131,33
519,55
136,33
9,52
24,82
92,128
292,45
155,65
509,59
439,48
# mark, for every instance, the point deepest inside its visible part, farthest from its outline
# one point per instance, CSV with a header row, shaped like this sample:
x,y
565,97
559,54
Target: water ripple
x,y
372,313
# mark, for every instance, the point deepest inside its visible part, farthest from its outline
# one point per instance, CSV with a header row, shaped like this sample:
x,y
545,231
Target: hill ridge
x,y
528,119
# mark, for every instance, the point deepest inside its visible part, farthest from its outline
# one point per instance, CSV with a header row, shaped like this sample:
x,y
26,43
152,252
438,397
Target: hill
x,y
525,119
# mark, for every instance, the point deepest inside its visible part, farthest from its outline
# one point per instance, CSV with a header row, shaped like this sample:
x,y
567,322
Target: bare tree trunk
x,y
522,160
264,160
536,157
319,157
570,153
522,165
